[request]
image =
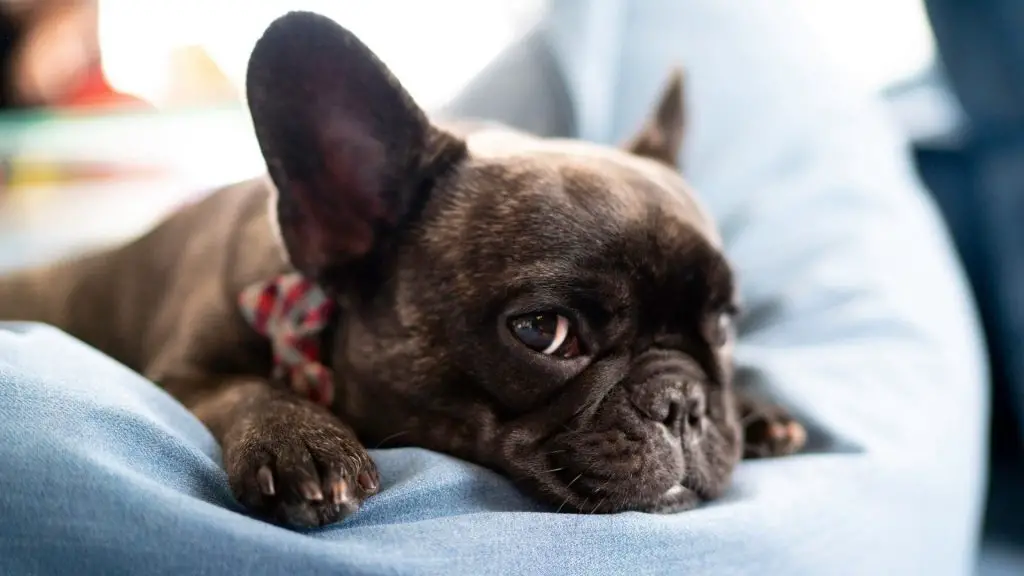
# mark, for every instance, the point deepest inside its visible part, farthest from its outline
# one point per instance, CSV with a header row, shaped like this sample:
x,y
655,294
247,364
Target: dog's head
x,y
553,309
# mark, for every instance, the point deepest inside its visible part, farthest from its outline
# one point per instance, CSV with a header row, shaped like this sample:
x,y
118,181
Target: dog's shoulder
x,y
253,248
195,264
228,234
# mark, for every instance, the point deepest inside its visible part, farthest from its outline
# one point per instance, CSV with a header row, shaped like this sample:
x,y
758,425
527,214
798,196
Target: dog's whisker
x,y
391,437
568,486
749,418
598,505
559,469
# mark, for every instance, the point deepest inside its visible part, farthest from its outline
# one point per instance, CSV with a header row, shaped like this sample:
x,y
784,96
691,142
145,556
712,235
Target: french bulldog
x,y
555,310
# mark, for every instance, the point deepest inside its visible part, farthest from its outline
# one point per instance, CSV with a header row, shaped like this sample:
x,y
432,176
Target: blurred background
x,y
88,74
103,103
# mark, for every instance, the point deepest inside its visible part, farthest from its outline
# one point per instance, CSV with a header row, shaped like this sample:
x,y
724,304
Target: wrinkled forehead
x,y
607,182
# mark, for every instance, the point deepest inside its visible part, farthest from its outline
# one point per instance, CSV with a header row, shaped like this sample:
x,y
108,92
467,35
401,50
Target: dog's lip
x,y
674,491
542,470
677,498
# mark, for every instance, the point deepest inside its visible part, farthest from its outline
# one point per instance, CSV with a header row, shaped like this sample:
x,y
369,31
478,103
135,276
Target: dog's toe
x,y
771,432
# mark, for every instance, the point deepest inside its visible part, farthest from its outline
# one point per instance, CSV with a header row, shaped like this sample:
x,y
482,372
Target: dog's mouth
x,y
594,492
635,466
617,459
609,499
609,472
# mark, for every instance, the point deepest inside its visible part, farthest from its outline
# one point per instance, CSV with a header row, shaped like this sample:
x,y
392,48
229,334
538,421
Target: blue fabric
x,y
983,56
858,316
983,53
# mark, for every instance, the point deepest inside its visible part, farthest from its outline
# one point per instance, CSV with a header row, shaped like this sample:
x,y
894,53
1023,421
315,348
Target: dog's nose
x,y
685,412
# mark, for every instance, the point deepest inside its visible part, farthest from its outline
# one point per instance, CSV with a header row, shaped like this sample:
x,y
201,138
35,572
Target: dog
x,y
558,311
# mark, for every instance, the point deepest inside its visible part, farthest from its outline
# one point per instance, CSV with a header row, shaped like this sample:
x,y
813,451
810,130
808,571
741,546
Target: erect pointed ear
x,y
661,137
350,153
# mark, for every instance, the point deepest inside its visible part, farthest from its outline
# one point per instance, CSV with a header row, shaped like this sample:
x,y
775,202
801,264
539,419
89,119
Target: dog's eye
x,y
547,333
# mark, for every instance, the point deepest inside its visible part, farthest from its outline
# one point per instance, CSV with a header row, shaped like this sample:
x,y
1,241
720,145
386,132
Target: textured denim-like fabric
x,y
857,316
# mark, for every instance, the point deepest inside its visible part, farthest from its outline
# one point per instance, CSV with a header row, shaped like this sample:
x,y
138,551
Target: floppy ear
x,y
661,137
350,153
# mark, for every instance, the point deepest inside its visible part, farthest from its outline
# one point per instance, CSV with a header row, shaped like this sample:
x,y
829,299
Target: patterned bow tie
x,y
292,313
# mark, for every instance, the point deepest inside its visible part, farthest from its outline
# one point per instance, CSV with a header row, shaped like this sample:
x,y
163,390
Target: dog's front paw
x,y
770,431
299,468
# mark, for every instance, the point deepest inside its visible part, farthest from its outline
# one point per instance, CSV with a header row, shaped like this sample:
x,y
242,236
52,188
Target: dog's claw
x,y
339,491
311,491
265,478
367,482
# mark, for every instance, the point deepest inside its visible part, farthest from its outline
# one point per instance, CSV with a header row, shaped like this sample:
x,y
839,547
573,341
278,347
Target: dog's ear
x,y
661,137
348,150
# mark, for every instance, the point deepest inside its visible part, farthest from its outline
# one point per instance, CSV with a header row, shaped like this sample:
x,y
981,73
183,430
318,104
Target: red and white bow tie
x,y
292,312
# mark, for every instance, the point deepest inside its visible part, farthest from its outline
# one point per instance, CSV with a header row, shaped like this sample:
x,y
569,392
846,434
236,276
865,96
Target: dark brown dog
x,y
555,310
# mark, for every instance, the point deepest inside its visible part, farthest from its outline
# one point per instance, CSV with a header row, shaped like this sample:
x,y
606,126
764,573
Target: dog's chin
x,y
618,460
573,494
676,499
615,471
634,466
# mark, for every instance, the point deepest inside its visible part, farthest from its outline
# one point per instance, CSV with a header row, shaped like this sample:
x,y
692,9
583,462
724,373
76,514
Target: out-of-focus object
x,y
152,49
196,80
94,91
50,56
979,180
86,179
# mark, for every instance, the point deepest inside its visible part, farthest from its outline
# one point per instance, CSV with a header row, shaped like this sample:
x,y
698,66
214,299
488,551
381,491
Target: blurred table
x,y
73,182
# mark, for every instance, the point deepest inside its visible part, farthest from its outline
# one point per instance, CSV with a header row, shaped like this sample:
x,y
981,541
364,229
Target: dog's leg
x,y
288,460
768,428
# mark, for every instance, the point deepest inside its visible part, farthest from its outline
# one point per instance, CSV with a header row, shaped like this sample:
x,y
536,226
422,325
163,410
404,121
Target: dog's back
x,y
120,300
